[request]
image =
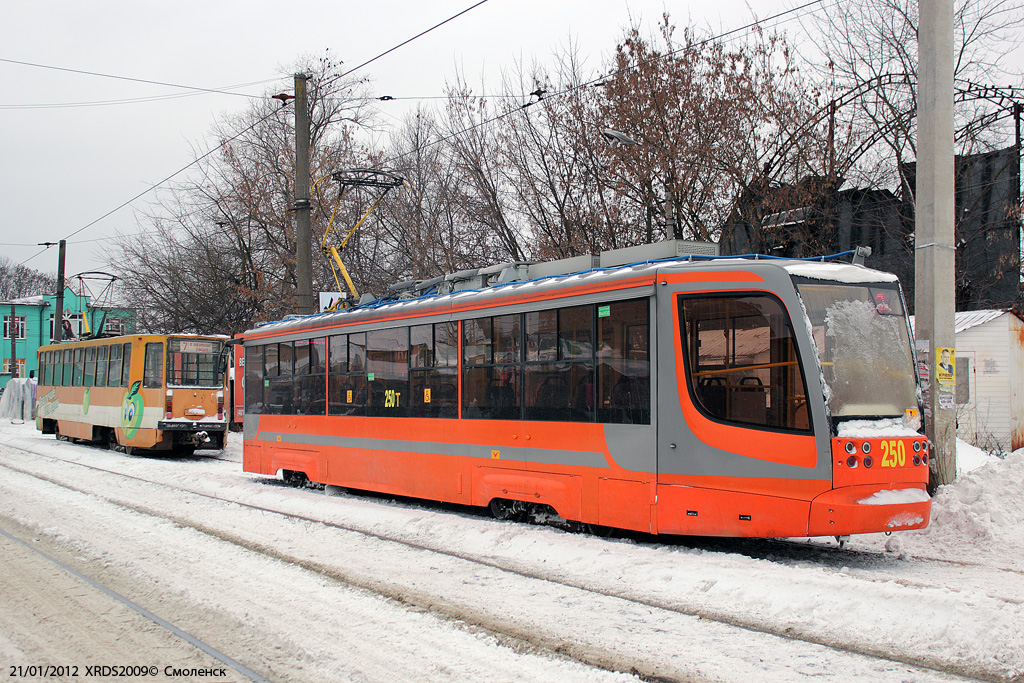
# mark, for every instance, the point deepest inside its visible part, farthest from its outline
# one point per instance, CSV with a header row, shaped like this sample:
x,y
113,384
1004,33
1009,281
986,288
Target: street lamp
x,y
618,138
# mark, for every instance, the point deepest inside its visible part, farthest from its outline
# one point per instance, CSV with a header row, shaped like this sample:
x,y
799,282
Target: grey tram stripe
x,y
219,656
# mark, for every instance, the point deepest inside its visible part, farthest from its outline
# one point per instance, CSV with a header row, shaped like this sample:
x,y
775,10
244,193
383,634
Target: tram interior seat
x,y
712,394
748,401
627,402
447,395
501,403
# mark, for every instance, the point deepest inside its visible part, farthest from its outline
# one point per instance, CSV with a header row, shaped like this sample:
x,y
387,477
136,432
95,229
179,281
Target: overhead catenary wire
x,y
198,159
601,79
140,80
593,82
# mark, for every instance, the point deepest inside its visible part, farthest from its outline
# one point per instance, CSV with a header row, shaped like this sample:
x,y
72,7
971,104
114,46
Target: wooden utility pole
x,y
935,251
304,302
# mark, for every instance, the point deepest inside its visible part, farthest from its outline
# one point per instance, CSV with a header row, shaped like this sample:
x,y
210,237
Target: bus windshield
x,y
861,335
194,362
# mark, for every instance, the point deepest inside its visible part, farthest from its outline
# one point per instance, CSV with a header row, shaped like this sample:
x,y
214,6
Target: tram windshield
x,y
194,362
861,335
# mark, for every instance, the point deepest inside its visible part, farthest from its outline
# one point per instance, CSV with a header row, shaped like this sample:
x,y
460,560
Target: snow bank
x,y
875,429
19,400
970,458
977,517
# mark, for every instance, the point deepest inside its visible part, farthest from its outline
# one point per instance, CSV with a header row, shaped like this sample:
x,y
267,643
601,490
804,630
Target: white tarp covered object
x,y
19,400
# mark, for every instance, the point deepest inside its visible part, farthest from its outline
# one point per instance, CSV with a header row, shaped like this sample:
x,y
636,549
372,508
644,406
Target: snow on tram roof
x,y
846,273
834,272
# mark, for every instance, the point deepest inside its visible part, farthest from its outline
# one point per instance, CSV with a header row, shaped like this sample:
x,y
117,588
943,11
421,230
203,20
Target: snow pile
x,y
970,458
19,400
978,516
875,429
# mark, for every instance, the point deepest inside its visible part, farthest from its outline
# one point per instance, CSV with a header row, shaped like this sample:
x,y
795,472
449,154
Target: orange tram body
x,y
720,397
136,392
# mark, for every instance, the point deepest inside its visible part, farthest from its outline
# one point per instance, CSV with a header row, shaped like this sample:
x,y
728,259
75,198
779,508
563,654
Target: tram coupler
x,y
196,439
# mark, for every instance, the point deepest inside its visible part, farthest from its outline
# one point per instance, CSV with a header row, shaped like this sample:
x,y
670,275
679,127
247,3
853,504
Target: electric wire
x,y
197,160
602,79
593,82
139,80
158,184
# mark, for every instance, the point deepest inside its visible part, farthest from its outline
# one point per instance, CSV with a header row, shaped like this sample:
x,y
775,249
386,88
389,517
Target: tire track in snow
x,y
499,624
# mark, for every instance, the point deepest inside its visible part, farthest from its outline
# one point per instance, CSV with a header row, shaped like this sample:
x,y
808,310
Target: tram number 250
x,y
391,398
894,453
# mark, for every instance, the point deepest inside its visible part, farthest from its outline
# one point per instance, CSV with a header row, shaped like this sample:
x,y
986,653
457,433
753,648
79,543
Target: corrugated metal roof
x,y
965,320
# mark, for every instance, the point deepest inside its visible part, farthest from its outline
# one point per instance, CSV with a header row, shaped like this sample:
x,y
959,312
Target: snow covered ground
x,y
370,589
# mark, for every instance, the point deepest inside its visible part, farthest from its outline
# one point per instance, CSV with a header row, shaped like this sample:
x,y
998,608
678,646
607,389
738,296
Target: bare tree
x,y
868,48
18,281
217,254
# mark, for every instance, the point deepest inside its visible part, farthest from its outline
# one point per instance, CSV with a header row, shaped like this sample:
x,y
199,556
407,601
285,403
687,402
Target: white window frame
x,y
19,322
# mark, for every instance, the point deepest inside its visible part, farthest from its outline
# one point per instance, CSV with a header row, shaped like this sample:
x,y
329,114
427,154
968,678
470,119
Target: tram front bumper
x,y
869,508
190,426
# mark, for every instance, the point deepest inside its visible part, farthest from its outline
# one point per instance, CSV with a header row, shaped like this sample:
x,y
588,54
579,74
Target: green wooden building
x,y
30,321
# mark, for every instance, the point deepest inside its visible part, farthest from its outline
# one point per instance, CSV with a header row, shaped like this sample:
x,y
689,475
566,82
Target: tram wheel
x,y
293,478
602,531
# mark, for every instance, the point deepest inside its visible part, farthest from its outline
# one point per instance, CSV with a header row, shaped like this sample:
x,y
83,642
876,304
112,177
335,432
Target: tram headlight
x,y
851,462
917,459
850,448
868,461
866,447
917,446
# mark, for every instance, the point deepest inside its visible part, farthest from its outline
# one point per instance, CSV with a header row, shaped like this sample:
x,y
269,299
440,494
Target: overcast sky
x,y
63,167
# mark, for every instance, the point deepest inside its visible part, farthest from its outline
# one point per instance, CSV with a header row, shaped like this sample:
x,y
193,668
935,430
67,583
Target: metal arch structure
x,y
828,111
335,239
106,292
1007,100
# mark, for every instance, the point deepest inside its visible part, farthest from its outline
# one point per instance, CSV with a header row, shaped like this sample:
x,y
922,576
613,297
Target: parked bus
x,y
726,397
150,392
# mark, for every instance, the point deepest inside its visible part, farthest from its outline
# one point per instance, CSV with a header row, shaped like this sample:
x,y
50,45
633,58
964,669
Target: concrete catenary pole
x,y
58,315
935,250
304,303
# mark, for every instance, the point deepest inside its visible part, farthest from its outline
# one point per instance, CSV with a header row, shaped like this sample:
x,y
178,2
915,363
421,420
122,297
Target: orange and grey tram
x,y
147,392
728,397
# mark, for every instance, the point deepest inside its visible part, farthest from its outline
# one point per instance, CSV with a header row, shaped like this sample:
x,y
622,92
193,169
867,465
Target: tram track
x,y
407,593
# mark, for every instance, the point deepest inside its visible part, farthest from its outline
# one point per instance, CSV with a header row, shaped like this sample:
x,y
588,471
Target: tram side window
x,y
76,381
492,367
90,366
114,366
101,366
279,387
558,376
69,367
741,360
387,372
254,380
623,363
433,373
346,383
309,395
126,365
153,366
